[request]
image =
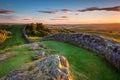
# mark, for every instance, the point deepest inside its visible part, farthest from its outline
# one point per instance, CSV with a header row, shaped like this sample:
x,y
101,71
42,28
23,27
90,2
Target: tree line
x,y
40,29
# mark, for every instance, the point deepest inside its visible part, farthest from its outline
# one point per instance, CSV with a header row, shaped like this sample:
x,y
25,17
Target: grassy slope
x,y
8,46
85,65
16,39
24,56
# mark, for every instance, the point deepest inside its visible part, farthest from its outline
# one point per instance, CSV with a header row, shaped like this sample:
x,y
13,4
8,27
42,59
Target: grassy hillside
x,y
84,64
17,55
16,36
22,55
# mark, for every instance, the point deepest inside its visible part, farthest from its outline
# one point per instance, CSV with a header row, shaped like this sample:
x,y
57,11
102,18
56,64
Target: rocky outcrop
x,y
52,68
105,48
48,68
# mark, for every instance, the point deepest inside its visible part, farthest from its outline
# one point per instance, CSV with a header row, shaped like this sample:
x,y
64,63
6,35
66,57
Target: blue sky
x,y
51,11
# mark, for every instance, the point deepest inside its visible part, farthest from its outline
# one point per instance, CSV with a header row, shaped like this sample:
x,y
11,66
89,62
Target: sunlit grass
x,y
34,38
84,64
24,55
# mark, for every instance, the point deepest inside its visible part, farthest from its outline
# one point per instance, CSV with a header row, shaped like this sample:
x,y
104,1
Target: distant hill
x,y
107,27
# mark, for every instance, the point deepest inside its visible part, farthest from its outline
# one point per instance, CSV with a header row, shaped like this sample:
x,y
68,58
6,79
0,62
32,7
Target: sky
x,y
60,11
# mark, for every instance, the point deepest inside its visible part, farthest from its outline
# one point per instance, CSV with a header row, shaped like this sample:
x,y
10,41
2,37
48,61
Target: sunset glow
x,y
60,11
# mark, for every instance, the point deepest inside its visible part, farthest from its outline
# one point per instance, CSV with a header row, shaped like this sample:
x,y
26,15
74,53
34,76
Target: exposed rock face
x,y
52,68
103,47
49,68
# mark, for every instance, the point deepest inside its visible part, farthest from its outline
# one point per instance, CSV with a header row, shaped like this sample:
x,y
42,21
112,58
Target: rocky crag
x,y
105,48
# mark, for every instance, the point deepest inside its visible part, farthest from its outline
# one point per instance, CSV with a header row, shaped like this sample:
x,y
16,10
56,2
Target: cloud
x,y
116,8
8,17
26,19
64,17
66,10
2,11
61,18
49,12
76,14
58,19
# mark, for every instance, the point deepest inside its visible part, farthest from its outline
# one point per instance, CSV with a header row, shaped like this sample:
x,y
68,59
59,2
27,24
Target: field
x,y
84,64
18,56
111,31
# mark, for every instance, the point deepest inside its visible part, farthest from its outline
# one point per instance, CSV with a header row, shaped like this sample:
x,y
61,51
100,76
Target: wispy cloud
x,y
76,14
3,11
26,19
49,12
116,8
66,10
64,17
58,19
8,17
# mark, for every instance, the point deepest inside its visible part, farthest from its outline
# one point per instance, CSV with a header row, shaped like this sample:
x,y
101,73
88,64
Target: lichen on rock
x,y
52,68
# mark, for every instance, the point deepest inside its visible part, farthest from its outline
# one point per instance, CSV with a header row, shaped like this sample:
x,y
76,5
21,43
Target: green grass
x,y
16,39
24,56
84,64
35,39
11,45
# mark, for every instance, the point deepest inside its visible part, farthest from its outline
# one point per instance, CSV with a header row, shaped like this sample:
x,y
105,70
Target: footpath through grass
x,y
84,64
16,36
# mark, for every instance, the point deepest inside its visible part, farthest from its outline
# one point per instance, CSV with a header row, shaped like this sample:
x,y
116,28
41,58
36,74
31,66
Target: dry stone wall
x,y
105,48
25,36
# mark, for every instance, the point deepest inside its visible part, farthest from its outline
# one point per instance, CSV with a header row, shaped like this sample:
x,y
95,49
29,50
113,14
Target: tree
x,y
39,29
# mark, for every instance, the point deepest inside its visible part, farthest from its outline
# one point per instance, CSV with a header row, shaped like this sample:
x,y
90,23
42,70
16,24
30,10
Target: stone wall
x,y
105,48
25,35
